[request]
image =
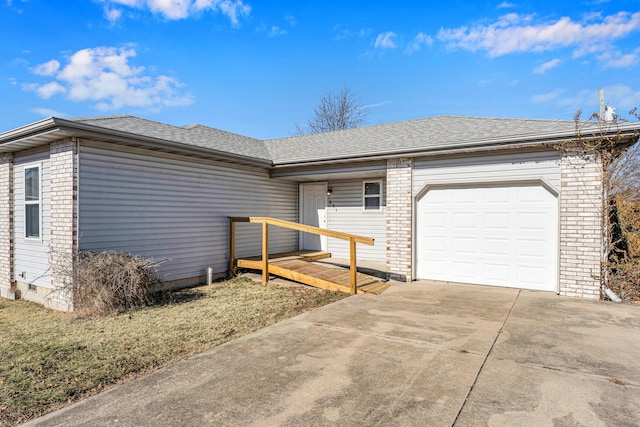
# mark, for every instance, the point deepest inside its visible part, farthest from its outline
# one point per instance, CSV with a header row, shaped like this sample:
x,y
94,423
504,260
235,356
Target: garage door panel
x,y
493,235
496,247
465,269
497,222
532,249
533,221
435,221
532,276
464,220
464,245
536,196
437,246
496,272
497,197
437,268
465,197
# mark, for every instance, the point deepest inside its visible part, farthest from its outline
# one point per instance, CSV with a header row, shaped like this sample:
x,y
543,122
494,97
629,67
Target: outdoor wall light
x,y
329,191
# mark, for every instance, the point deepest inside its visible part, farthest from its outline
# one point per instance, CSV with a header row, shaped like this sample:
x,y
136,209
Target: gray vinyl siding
x,y
509,167
31,256
345,213
178,208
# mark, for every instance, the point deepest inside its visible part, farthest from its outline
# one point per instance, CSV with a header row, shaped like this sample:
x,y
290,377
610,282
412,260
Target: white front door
x,y
313,211
503,235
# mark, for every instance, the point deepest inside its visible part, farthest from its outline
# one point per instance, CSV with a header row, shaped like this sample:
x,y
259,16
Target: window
x,y
372,195
32,202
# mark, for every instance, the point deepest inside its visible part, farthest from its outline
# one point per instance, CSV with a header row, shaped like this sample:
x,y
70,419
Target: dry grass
x,y
51,359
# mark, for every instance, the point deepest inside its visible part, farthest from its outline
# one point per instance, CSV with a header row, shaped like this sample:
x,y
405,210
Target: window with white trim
x,y
32,202
372,195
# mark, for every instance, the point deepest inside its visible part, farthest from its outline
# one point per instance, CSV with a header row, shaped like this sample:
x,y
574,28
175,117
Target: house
x,y
461,199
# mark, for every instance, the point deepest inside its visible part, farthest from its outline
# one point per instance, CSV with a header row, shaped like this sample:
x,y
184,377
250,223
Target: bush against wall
x,y
624,258
111,282
602,137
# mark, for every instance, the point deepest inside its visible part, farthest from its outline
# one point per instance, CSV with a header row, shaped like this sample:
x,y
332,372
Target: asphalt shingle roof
x,y
408,138
194,135
414,135
386,139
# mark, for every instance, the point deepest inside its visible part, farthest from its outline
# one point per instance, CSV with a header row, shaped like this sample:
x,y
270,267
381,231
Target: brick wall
x,y
580,225
64,221
399,218
6,226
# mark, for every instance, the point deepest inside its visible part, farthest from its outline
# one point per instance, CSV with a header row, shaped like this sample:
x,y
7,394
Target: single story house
x,y
462,199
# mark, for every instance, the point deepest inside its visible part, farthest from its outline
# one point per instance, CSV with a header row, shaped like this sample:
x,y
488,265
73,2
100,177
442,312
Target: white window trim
x,y
364,196
37,165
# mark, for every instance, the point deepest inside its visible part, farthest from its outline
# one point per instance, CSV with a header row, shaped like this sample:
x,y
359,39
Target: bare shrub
x,y
624,278
624,257
612,142
629,222
110,282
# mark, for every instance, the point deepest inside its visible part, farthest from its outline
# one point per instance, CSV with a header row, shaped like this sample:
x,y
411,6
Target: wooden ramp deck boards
x,y
297,266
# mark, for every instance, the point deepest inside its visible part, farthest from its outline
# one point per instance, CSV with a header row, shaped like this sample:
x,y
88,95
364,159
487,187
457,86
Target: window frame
x,y
38,202
371,196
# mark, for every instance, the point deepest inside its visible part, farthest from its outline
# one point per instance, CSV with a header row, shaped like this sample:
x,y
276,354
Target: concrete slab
x,y
450,316
419,354
511,394
561,362
573,335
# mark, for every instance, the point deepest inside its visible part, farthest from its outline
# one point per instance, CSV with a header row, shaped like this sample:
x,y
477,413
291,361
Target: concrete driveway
x,y
424,354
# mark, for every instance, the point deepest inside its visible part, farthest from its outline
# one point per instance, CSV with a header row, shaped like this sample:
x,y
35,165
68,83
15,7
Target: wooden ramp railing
x,y
267,221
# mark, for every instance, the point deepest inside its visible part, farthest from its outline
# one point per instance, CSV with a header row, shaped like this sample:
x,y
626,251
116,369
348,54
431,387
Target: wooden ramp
x,y
298,266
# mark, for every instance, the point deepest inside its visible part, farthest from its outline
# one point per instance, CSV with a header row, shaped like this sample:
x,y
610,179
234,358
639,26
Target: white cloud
x,y
290,20
616,59
376,105
47,69
179,9
513,33
276,31
420,40
342,33
47,112
546,97
14,7
113,15
47,90
620,96
623,97
546,66
505,5
104,76
385,40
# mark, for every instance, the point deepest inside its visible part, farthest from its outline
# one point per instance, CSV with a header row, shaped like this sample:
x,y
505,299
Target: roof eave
x,y
51,129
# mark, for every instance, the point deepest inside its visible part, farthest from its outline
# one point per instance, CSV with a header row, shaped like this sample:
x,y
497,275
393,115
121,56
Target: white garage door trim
x,y
525,257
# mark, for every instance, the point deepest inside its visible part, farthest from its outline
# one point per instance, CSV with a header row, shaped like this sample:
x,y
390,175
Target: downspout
x,y
77,201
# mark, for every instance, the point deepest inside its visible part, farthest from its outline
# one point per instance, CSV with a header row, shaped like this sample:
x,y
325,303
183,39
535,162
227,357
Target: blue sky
x,y
255,67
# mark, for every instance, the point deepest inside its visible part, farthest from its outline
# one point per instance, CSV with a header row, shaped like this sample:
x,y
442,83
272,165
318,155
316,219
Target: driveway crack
x,y
475,380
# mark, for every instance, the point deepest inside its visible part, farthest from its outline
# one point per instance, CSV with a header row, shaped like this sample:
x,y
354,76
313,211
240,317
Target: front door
x,y
313,203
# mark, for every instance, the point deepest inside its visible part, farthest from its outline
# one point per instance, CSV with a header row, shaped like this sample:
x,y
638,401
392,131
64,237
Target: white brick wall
x,y
6,226
580,225
64,221
399,218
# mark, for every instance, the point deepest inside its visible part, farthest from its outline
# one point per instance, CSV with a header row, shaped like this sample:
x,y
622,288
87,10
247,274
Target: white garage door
x,y
503,235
